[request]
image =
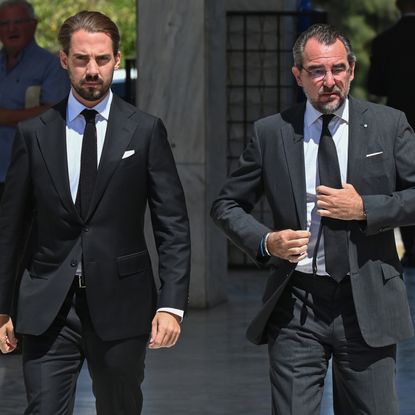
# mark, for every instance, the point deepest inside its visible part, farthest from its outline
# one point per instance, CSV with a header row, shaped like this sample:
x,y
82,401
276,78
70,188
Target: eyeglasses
x,y
318,74
16,22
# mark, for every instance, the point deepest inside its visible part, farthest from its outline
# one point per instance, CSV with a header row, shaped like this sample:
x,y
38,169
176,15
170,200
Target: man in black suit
x,y
81,176
392,62
339,175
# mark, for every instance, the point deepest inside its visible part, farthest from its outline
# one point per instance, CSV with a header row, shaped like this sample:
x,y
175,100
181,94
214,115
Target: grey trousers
x,y
315,320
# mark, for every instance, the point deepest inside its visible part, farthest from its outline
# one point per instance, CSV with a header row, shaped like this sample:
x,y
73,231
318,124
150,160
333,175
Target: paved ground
x,y
213,370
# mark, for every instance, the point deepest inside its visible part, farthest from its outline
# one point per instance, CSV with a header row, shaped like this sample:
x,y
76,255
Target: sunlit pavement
x,y
213,370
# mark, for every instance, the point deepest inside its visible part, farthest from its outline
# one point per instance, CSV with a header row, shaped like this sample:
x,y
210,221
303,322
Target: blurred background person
x,y
31,78
392,62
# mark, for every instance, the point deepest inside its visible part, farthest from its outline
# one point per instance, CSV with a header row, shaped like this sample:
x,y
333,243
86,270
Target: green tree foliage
x,y
361,21
52,13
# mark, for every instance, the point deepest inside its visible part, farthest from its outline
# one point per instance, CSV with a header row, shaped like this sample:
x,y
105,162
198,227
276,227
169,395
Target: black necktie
x,y
88,172
334,230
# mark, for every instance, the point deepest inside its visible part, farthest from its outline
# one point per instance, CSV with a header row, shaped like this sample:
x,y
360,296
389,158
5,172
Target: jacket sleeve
x,y
15,211
169,220
231,211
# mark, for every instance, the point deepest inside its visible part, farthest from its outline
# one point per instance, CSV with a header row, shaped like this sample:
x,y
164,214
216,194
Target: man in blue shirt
x,y
31,79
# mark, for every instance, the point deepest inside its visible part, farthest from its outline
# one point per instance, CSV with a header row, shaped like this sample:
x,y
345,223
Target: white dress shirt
x,y
75,126
339,128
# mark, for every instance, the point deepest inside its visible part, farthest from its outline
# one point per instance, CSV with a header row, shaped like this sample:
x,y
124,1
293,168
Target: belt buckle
x,y
81,281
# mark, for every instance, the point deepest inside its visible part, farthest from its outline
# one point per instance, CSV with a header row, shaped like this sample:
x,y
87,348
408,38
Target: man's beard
x,y
92,93
330,107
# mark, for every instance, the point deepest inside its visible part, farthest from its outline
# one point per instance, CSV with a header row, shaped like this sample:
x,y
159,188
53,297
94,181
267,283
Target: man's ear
x,y
352,68
63,57
117,60
297,75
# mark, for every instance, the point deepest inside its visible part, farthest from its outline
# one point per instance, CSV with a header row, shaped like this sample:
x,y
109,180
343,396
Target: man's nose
x,y
92,67
329,79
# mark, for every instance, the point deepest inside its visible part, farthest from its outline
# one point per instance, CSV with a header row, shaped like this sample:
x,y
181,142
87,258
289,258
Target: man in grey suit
x,y
339,176
81,176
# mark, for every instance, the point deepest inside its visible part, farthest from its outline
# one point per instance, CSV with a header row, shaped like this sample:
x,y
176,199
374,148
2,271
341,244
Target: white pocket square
x,y
128,153
374,154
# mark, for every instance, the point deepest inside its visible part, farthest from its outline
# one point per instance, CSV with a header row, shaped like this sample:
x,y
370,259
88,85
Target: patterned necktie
x,y
88,172
334,230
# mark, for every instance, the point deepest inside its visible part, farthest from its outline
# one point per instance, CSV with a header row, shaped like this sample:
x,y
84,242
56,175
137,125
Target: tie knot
x,y
326,120
89,115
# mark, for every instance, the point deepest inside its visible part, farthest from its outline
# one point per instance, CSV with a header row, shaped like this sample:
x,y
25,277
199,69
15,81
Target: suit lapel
x,y
121,126
358,140
52,144
292,133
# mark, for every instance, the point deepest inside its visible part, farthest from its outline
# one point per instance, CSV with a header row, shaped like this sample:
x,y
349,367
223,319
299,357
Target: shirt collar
x,y
312,115
75,107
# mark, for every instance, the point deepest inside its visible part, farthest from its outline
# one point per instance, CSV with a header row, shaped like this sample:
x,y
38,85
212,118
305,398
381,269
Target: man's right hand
x,y
8,341
288,244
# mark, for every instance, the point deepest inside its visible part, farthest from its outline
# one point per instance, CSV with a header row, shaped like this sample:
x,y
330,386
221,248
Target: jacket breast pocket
x,y
132,264
378,174
129,161
376,164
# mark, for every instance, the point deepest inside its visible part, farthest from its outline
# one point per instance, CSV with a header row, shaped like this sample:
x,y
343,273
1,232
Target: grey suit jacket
x,y
273,164
121,293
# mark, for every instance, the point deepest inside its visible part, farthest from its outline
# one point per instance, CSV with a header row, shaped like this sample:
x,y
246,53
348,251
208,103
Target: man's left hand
x,y
165,330
345,203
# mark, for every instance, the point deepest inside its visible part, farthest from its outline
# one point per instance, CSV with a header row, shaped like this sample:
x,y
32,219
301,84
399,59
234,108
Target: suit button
x,y
74,263
86,229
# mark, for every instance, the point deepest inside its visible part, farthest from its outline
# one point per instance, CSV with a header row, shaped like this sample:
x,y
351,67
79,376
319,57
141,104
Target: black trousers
x,y
315,320
1,189
52,362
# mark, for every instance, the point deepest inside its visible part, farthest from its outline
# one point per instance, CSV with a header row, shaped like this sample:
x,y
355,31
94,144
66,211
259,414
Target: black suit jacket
x,y
392,66
273,163
121,293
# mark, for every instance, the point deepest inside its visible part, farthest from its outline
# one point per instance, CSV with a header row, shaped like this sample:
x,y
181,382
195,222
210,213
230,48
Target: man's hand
x,y
345,204
8,341
165,330
288,244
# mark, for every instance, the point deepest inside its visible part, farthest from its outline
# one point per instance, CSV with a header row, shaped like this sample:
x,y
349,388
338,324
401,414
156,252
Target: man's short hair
x,y
324,34
92,22
29,8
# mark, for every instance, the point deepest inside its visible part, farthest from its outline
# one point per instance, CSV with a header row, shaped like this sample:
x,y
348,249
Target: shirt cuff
x,y
266,243
174,311
263,249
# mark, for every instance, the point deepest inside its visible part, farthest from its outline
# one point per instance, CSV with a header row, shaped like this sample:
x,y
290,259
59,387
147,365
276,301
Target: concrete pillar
x,y
181,78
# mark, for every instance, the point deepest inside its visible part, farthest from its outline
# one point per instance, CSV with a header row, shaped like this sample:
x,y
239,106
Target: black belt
x,y
320,285
79,281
